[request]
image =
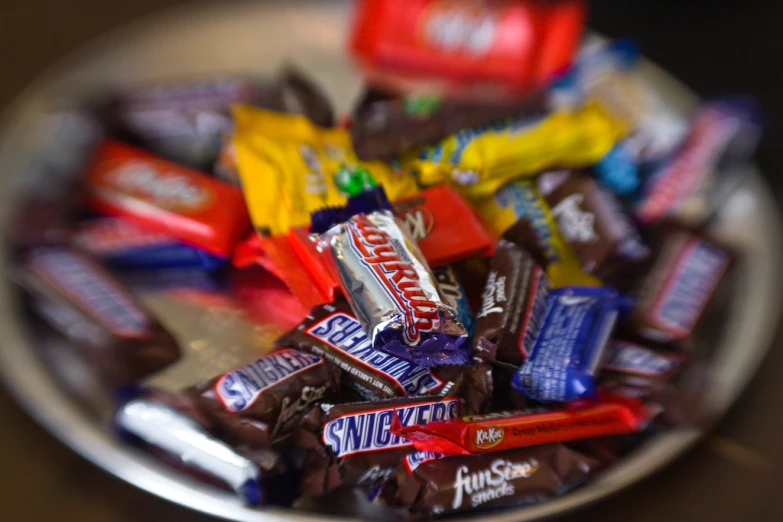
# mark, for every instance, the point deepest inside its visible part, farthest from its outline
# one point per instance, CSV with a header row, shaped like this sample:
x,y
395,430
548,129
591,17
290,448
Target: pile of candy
x,y
498,291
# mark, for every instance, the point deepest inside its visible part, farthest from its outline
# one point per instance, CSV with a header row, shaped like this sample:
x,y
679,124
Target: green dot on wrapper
x,y
422,105
353,181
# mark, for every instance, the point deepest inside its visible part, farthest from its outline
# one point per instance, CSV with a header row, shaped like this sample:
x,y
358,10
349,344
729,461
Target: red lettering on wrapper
x,y
396,275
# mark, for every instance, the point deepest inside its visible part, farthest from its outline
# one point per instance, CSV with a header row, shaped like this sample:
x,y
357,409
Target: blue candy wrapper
x,y
571,343
122,245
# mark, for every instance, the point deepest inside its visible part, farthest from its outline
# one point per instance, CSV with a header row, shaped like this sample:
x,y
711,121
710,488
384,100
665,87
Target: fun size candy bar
x,y
390,286
121,244
89,306
262,401
334,333
569,348
187,205
607,415
683,277
436,486
350,444
513,305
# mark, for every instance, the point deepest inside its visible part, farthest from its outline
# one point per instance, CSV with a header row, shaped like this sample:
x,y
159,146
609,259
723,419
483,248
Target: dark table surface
x,y
714,48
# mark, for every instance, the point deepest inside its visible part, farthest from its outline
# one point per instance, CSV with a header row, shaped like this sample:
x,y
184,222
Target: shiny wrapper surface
x,y
393,292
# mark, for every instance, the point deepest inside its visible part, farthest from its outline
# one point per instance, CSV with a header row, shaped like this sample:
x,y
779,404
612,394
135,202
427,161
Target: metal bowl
x,y
255,38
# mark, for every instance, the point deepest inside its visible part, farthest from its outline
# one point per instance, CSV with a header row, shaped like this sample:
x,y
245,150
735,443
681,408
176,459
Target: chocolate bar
x,y
684,275
89,306
385,124
334,333
512,305
262,402
593,222
350,444
389,284
171,424
428,485
569,348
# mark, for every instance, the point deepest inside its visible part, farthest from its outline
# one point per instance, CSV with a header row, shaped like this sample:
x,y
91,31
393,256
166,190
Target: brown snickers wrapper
x,y
263,401
333,332
595,224
385,124
678,292
352,445
470,482
87,305
512,306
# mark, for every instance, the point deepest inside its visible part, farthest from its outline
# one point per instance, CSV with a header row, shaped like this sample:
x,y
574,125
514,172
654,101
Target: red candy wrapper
x,y
438,218
163,196
519,44
607,415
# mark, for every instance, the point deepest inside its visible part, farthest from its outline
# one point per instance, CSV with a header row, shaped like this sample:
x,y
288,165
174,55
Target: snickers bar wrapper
x,y
352,445
261,402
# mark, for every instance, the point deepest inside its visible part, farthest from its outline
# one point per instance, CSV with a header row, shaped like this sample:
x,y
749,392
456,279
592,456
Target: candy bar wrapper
x,y
570,346
123,245
454,295
442,223
44,220
334,333
187,205
684,275
171,424
607,415
351,445
91,308
593,222
721,134
480,161
390,286
288,167
632,359
512,306
522,216
428,484
263,401
385,125
186,121
468,43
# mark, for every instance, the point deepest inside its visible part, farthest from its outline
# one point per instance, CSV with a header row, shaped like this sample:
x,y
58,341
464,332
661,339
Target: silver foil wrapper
x,y
393,292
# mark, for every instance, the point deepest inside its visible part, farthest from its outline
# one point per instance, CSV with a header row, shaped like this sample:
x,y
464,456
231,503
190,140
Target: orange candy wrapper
x,y
195,208
607,415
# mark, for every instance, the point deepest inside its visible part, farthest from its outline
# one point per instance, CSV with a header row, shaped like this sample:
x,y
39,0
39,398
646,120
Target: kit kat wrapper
x,y
607,415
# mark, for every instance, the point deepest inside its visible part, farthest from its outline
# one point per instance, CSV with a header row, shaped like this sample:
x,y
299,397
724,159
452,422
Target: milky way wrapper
x,y
428,484
262,402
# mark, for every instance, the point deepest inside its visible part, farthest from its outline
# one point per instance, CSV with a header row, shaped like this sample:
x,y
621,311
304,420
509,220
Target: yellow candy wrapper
x,y
480,161
520,200
287,166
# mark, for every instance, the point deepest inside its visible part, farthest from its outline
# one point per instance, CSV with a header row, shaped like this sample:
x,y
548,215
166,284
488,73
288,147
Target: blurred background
x,y
713,47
